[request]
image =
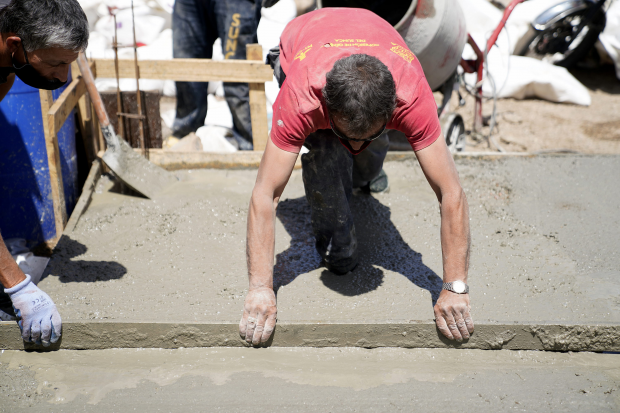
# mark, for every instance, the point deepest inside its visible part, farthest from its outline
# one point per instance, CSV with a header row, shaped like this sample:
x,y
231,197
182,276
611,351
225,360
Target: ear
x,y
13,43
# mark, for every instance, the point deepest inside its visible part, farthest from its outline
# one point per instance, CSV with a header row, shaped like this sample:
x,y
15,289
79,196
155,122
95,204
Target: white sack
x,y
272,24
148,26
515,76
213,139
610,38
218,113
531,78
159,49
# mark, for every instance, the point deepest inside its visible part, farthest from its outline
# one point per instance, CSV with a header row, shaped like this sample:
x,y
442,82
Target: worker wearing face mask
x,y
39,39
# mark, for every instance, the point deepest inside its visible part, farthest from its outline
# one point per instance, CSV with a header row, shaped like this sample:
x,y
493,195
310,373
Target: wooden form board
x,y
258,99
53,161
252,71
55,113
189,70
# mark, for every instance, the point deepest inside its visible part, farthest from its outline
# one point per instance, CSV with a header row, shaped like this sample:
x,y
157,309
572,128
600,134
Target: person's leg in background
x,y
193,34
237,23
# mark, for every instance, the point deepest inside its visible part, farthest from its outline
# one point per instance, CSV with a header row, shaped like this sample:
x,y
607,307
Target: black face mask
x,y
31,77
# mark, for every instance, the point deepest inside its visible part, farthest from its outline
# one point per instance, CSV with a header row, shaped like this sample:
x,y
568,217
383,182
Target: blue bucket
x,y
26,208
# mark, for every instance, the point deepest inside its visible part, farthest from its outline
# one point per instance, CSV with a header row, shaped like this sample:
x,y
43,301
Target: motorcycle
x,y
565,33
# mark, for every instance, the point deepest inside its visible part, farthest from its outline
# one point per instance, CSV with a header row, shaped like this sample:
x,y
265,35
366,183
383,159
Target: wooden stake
x,y
53,160
258,103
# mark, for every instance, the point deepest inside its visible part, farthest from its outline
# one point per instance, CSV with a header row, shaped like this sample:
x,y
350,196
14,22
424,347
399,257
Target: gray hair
x,y
360,89
43,24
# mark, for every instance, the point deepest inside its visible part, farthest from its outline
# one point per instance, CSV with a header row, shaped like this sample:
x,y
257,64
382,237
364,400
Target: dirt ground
x,y
534,125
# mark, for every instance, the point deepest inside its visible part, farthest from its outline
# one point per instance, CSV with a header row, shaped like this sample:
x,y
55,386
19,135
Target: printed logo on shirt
x,y
301,55
403,52
233,34
352,43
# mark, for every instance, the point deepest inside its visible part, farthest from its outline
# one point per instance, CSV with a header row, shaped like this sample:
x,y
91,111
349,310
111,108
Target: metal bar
x,y
138,94
119,100
507,11
131,115
480,71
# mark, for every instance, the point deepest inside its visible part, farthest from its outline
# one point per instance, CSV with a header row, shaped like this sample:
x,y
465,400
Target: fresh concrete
x,y
105,335
308,380
544,241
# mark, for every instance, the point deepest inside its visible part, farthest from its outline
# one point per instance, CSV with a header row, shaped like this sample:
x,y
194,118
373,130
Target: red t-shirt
x,y
309,47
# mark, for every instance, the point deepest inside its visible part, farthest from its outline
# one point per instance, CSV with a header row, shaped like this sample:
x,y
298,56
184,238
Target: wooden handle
x,y
95,97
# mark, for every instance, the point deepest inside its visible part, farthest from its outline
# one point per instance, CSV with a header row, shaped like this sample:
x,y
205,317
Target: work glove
x,y
37,316
269,3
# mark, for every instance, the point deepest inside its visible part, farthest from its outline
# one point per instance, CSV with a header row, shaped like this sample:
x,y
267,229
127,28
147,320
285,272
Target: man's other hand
x,y
259,316
37,316
452,316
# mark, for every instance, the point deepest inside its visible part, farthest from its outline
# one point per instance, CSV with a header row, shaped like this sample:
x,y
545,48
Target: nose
x,y
356,145
62,73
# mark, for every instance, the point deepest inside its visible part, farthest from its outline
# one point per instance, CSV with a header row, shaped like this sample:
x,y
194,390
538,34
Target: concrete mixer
x,y
436,33
434,30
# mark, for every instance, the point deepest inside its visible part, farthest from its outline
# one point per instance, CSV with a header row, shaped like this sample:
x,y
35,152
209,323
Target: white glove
x,y
37,316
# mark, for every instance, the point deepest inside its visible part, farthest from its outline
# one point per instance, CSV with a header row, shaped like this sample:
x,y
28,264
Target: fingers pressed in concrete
x,y
270,325
258,330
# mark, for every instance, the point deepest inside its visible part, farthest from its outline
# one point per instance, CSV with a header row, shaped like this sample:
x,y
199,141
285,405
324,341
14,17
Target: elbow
x,y
453,199
262,199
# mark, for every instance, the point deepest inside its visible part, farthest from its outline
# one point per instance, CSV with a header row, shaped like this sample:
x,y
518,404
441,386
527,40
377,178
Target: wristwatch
x,y
458,287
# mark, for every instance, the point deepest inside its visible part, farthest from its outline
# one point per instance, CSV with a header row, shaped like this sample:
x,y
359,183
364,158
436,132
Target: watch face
x,y
458,286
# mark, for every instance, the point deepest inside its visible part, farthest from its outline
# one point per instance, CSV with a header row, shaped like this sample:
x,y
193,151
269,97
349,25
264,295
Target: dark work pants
x,y
330,172
196,24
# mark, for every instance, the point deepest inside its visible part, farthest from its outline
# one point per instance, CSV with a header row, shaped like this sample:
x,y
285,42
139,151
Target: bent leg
x,y
326,172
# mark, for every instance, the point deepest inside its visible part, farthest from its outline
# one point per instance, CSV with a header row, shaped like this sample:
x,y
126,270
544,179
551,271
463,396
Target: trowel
x,y
130,167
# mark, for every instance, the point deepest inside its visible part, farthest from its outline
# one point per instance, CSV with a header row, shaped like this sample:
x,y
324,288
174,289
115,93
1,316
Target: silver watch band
x,y
449,287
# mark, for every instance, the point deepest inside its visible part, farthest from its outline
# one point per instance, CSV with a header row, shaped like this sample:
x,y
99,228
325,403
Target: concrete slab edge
x,y
491,336
85,197
251,159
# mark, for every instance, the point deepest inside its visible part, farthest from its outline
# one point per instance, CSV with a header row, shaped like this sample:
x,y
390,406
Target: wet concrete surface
x,y
308,380
544,249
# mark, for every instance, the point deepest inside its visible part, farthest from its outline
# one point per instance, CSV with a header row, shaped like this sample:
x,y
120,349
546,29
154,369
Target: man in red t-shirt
x,y
346,76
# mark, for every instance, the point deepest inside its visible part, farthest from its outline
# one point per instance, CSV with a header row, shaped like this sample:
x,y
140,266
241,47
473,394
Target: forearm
x,y
5,87
455,236
261,240
10,273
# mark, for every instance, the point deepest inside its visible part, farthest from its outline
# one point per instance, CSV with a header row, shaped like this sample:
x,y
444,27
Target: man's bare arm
x,y
5,87
452,311
10,273
259,313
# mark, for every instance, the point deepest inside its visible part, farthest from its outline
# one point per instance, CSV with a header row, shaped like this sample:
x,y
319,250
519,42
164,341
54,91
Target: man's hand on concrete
x,y
259,316
37,316
452,315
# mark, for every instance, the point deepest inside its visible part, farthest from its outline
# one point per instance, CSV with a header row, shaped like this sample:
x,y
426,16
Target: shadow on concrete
x,y
67,270
379,242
